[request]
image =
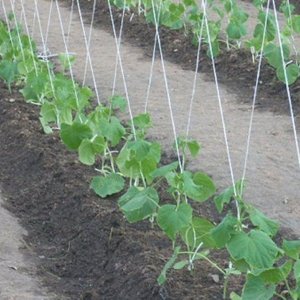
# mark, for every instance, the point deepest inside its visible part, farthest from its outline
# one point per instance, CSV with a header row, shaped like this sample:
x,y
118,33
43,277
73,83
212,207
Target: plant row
x,y
229,26
129,165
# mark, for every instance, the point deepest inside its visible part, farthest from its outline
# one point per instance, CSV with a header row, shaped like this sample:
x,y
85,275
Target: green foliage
x,y
172,219
8,72
138,204
109,185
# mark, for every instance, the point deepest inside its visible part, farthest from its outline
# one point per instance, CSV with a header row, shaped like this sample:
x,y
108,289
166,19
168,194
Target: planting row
x,y
193,17
129,164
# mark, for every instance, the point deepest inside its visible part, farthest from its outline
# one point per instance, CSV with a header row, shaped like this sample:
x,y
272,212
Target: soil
x,y
84,248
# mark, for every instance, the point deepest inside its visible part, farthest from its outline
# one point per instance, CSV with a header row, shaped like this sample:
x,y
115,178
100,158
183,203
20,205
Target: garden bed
x,y
85,248
234,68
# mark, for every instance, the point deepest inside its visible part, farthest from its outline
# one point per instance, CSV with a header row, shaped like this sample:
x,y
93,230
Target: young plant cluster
x,y
129,164
189,15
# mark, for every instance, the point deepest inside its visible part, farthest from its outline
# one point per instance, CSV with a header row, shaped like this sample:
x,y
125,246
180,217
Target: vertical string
x,y
195,79
89,40
88,52
219,100
286,84
122,69
119,43
167,86
255,96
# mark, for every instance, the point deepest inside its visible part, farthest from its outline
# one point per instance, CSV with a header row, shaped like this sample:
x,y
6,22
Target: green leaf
x,y
198,187
72,135
223,198
256,289
141,149
297,271
89,148
265,224
112,130
48,112
256,247
291,248
35,86
194,147
86,152
236,30
226,196
163,275
8,71
199,231
163,171
292,72
180,265
223,232
138,205
142,121
273,54
119,102
274,275
172,219
133,160
108,185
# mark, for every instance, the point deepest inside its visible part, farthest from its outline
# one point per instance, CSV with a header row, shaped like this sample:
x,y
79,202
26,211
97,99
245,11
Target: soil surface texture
x,y
84,248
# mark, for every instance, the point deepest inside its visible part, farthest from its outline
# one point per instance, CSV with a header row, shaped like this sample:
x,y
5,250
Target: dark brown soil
x,y
234,68
85,249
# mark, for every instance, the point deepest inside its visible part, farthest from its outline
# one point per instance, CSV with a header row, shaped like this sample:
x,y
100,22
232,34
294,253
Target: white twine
x,y
88,53
286,84
122,70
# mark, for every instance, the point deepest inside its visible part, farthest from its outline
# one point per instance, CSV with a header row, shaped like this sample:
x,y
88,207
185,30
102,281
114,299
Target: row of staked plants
x,y
229,27
128,164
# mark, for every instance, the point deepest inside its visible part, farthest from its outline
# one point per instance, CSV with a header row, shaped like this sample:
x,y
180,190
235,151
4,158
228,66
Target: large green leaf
x,y
292,73
108,185
223,232
264,223
199,231
198,187
112,130
275,275
256,289
89,148
138,205
273,54
256,247
172,219
35,86
72,135
139,157
236,30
